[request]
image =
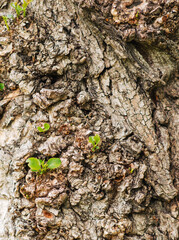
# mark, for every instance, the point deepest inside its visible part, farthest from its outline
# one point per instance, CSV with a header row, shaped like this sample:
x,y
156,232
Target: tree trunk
x,y
87,67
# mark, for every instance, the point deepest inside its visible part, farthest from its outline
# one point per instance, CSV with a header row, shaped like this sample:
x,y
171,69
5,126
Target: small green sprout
x,y
1,86
45,129
22,8
18,8
5,18
131,170
25,5
137,14
39,166
94,140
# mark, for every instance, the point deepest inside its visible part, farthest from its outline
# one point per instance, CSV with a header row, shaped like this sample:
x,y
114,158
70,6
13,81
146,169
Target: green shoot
x,y
22,8
131,170
5,18
1,86
18,8
94,140
5,21
45,129
25,5
39,166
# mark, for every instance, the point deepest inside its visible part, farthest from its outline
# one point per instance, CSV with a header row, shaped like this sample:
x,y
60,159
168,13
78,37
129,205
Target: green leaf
x,y
97,147
46,126
25,5
54,163
91,140
1,86
13,5
41,161
6,23
40,129
34,164
19,9
97,138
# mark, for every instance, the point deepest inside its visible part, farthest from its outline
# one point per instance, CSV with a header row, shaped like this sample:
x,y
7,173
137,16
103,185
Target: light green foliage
x,y
18,8
46,128
39,166
1,86
94,140
34,164
131,170
5,18
22,8
53,163
25,5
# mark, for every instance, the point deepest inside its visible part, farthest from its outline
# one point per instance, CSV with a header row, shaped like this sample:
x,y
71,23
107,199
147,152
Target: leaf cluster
x,y
19,9
94,140
45,128
39,166
22,8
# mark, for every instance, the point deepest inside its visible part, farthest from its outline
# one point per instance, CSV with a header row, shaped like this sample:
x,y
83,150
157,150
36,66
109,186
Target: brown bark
x,y
87,67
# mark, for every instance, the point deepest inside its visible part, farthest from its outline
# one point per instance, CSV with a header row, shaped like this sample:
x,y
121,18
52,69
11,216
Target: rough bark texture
x,y
87,67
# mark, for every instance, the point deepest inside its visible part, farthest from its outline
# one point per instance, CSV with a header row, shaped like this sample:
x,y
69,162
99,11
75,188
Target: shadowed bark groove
x,y
85,67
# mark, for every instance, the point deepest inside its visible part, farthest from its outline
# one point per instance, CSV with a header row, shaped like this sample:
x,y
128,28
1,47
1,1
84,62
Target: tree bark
x,y
87,67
